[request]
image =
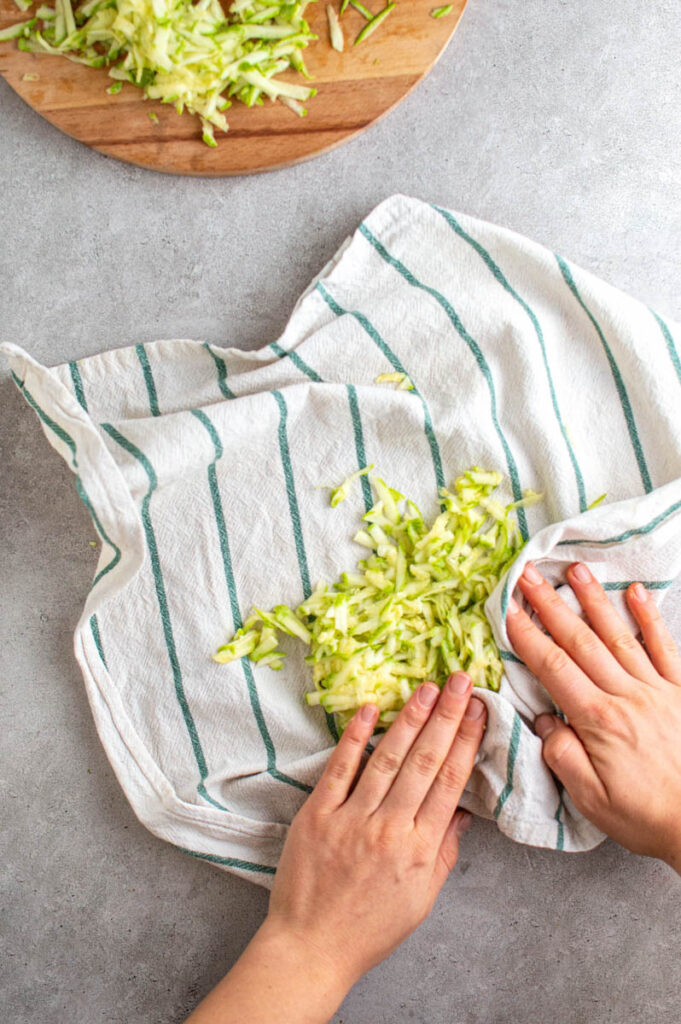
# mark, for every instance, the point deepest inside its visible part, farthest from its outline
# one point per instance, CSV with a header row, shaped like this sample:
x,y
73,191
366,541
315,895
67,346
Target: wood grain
x,y
355,88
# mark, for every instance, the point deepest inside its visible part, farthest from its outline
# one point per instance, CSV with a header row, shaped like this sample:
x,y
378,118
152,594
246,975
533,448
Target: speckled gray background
x,y
557,118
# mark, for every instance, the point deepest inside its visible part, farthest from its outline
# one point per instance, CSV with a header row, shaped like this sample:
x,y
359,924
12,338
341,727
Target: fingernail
x,y
462,822
475,709
427,695
513,606
581,573
368,712
532,574
459,683
544,725
639,592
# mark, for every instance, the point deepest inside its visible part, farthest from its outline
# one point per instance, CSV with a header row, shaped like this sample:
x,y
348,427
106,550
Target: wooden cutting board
x,y
355,88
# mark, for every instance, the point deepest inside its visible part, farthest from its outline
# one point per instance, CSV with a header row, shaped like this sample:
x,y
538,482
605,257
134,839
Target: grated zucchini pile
x,y
189,54
412,610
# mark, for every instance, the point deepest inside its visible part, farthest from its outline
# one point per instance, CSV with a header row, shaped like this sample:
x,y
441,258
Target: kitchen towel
x,y
206,469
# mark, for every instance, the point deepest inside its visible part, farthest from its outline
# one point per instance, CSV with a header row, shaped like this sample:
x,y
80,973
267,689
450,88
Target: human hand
x,y
364,859
362,866
620,756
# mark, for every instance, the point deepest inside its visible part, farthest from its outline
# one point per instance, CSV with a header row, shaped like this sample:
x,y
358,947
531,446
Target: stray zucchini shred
x,y
412,610
335,30
401,379
361,9
341,492
374,21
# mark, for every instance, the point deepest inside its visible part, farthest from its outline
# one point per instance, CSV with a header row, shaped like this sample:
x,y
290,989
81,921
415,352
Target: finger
x,y
341,769
659,642
572,633
428,753
358,774
436,810
448,853
605,621
389,755
570,688
565,755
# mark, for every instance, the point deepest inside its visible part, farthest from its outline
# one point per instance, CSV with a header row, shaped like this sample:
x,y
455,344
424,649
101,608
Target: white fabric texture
x,y
204,470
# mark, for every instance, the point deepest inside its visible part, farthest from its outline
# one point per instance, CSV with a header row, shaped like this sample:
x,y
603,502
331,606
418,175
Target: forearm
x,y
276,979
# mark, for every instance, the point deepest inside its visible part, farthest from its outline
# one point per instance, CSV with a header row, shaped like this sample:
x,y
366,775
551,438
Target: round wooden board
x,y
355,88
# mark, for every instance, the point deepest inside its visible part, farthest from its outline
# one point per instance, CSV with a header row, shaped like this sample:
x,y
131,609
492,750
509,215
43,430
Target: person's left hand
x,y
362,866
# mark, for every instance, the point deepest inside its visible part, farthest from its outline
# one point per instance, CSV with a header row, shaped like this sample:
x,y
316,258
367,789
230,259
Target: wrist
x,y
293,953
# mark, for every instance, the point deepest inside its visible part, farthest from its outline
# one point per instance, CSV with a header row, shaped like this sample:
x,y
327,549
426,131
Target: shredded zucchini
x,y
361,9
401,379
14,31
374,21
413,609
190,54
341,492
335,30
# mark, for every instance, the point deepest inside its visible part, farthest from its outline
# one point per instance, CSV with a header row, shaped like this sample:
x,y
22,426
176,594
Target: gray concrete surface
x,y
559,119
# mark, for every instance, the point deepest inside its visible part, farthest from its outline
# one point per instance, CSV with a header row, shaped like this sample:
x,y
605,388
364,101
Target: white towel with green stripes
x,y
204,470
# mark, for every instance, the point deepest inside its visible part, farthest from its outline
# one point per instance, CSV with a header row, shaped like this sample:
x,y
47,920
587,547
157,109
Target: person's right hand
x,y
620,757
363,861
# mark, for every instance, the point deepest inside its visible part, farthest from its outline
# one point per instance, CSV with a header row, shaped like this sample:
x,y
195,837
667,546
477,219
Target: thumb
x,y
565,755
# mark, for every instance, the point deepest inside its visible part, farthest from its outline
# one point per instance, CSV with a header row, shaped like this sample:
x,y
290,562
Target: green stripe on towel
x,y
202,791
231,862
161,595
671,347
617,377
78,384
291,494
296,525
510,767
299,363
148,380
396,364
500,277
82,494
94,629
237,621
359,445
510,656
560,837
354,413
221,367
475,350
621,537
648,584
47,420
